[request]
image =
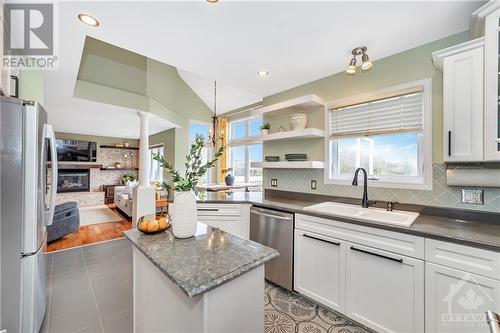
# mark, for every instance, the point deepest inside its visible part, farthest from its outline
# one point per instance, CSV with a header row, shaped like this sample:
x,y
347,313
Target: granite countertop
x,y
203,262
466,230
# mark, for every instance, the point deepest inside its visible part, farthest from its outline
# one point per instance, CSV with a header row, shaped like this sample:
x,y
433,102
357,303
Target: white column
x,y
144,150
143,195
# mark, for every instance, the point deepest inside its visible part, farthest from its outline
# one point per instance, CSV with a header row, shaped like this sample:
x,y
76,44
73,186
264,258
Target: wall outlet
x,y
313,184
473,196
274,182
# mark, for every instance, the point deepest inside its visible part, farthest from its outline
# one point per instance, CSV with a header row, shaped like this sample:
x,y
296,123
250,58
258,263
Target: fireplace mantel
x,y
79,165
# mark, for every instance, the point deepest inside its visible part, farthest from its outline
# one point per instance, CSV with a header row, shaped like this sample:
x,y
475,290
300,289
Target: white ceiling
x,y
296,41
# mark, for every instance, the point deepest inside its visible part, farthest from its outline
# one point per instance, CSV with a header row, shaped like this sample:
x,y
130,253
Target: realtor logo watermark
x,y
29,36
466,302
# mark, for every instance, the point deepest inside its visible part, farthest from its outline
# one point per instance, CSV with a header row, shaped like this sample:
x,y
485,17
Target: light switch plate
x,y
473,196
313,184
274,182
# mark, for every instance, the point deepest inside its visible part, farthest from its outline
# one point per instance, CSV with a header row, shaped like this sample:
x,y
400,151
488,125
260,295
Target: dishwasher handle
x,y
279,217
493,321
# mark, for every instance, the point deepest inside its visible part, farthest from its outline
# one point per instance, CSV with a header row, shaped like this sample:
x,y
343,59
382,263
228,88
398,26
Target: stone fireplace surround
x,y
106,157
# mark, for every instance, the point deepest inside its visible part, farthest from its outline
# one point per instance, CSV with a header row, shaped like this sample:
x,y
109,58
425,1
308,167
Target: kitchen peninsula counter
x,y
472,228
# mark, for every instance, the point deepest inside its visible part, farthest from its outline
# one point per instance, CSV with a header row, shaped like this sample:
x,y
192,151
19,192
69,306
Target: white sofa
x,y
123,201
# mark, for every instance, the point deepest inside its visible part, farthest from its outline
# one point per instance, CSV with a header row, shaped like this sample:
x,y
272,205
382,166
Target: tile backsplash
x,y
441,195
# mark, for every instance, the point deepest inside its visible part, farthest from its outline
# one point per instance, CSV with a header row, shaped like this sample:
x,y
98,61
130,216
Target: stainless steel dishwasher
x,y
275,229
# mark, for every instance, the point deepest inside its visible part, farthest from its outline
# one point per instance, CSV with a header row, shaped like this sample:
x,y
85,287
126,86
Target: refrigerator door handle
x,y
49,134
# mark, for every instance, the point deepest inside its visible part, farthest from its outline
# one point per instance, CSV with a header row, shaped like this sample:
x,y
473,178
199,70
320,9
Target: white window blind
x,y
403,113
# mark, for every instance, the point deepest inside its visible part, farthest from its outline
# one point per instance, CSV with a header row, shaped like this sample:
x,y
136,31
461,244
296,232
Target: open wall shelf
x,y
306,133
288,165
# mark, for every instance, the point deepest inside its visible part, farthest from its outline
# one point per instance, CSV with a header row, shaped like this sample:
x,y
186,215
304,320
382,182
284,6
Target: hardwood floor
x,y
91,234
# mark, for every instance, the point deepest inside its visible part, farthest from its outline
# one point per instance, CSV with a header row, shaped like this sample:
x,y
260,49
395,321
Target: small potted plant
x,y
265,128
127,177
184,213
229,179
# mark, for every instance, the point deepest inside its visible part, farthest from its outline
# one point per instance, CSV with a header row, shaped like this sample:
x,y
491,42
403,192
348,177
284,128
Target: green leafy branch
x,y
195,168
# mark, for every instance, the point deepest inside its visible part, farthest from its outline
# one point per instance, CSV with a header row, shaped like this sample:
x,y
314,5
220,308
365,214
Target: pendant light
x,y
213,137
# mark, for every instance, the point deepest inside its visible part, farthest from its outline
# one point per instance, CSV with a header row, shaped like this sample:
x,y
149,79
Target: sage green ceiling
x,y
116,76
111,66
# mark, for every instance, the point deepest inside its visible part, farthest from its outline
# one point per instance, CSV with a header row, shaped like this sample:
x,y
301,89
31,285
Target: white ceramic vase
x,y
298,121
184,215
264,131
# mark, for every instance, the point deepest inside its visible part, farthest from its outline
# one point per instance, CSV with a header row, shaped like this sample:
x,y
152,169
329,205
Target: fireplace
x,y
73,180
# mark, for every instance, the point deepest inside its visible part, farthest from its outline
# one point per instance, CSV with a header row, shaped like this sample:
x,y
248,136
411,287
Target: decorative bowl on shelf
x,y
150,224
272,158
296,157
298,121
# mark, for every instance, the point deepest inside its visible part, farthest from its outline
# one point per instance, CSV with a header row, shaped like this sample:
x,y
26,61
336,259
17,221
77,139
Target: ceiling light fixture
x,y
212,133
88,20
263,73
212,1
366,63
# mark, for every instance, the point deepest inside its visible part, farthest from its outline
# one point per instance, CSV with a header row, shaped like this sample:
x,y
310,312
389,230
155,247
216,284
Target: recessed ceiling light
x,y
263,73
212,1
88,20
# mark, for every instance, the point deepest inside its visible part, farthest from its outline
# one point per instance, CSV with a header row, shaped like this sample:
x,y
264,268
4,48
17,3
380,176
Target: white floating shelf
x,y
305,103
306,133
245,141
288,165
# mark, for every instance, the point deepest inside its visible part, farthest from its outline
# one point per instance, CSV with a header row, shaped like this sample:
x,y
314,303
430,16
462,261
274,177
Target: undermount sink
x,y
399,218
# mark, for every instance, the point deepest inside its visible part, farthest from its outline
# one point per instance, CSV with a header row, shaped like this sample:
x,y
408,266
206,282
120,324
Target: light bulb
x,y
351,69
88,20
367,64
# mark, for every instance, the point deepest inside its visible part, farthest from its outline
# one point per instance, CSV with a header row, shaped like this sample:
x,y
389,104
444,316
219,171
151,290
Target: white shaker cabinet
x,y
319,269
455,301
384,290
463,109
491,91
232,218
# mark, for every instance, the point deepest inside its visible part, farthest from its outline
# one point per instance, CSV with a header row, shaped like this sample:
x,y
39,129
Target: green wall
x,y
31,85
167,138
172,99
410,65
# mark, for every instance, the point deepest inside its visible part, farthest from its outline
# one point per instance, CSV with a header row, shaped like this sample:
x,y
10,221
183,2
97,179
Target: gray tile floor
x,y
90,289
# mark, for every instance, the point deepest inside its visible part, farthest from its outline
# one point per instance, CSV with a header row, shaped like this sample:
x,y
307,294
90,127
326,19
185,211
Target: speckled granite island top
x,y
203,262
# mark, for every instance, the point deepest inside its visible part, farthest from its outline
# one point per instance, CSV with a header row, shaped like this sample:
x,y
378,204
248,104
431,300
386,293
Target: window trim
x,y
425,149
208,145
158,145
246,142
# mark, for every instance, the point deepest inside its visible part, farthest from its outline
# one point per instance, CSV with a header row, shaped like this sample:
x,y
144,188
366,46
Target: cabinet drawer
x,y
473,260
396,242
231,224
219,209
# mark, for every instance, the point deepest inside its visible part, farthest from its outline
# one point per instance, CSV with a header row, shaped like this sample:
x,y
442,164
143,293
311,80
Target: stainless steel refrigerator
x,y
26,207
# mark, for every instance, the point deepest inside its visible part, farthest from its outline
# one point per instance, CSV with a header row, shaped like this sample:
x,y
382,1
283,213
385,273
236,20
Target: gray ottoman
x,y
66,221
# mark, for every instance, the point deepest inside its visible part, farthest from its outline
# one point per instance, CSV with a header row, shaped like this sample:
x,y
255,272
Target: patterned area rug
x,y
287,312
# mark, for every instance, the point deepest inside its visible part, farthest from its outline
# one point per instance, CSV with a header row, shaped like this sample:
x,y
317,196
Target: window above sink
x,y
387,132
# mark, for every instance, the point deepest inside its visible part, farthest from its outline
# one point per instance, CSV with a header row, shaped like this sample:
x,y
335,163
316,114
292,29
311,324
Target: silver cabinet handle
x,y
270,215
493,321
321,239
208,209
377,255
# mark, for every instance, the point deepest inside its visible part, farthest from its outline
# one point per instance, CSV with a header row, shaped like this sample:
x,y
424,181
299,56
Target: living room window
x,y
243,150
387,132
155,170
201,128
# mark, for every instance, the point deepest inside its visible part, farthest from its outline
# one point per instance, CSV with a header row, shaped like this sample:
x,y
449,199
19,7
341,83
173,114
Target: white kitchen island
x,y
212,282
